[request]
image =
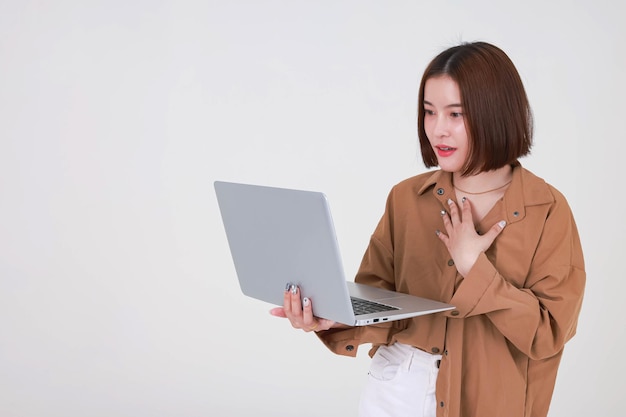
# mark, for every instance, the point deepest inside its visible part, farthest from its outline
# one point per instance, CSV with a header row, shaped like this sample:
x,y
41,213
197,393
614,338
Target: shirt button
x,y
349,348
440,191
516,213
435,350
450,262
455,313
441,404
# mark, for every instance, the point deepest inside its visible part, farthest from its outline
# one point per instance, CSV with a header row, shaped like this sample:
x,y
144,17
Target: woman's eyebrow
x,y
449,105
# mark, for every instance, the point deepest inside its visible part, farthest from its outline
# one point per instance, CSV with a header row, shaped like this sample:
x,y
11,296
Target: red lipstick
x,y
444,151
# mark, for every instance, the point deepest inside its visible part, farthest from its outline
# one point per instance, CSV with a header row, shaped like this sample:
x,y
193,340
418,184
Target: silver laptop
x,y
278,236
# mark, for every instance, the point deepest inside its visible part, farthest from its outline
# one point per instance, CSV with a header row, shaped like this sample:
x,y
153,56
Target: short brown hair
x,y
497,115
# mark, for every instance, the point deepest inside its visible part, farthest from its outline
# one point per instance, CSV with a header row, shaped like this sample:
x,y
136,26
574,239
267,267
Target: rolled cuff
x,y
346,341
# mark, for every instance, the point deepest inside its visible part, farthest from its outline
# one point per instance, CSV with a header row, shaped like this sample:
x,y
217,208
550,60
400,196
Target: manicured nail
x,y
294,289
443,212
437,232
502,223
288,287
463,199
449,201
305,301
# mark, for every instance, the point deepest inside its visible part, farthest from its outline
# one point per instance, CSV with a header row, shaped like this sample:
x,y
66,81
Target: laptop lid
x,y
278,236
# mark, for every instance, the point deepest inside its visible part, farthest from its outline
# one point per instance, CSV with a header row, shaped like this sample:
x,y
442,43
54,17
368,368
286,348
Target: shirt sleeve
x,y
346,341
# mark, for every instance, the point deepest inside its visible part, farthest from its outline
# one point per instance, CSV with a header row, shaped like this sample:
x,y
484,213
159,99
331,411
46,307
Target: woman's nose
x,y
441,126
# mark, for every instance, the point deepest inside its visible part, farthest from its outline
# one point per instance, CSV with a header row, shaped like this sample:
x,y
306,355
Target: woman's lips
x,y
444,151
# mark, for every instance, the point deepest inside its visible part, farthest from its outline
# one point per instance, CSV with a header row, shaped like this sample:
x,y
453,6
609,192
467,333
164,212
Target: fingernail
x,y
502,223
443,212
463,199
305,301
449,201
437,232
288,287
294,289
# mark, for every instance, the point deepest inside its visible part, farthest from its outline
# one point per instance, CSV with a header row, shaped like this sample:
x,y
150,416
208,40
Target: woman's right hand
x,y
299,311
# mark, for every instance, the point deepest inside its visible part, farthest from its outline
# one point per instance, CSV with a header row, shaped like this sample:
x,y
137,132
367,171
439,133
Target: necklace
x,y
481,192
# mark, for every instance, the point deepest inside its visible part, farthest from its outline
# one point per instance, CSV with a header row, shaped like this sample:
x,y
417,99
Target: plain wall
x,y
118,296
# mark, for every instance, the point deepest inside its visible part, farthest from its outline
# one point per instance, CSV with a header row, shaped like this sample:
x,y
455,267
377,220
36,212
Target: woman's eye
x,y
456,114
429,112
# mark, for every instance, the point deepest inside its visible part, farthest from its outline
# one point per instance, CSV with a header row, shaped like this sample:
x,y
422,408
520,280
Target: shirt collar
x,y
525,190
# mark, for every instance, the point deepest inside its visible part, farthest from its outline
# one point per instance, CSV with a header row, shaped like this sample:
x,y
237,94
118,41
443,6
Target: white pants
x,y
401,383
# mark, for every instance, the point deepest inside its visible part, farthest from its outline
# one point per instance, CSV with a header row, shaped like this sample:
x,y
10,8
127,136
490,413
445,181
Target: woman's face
x,y
444,124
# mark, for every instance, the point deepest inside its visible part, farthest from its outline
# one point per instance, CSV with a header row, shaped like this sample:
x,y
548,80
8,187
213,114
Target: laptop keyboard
x,y
361,306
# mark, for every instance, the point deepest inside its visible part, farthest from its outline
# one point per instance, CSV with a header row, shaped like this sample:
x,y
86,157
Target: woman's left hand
x,y
461,238
300,312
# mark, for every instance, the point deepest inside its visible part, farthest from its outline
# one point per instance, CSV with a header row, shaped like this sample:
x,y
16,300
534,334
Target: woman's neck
x,y
483,182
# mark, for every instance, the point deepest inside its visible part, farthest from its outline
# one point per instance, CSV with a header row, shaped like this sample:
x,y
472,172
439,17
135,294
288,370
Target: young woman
x,y
481,233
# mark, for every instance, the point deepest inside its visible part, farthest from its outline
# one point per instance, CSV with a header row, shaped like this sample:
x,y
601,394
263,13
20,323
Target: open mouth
x,y
445,151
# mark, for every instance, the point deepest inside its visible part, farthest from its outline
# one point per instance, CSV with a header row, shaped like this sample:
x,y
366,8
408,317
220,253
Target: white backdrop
x,y
118,296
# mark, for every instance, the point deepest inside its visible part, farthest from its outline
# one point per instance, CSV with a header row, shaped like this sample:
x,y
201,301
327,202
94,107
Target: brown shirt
x,y
515,310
